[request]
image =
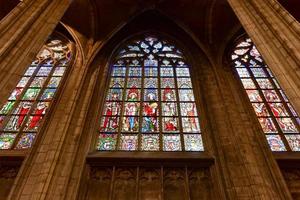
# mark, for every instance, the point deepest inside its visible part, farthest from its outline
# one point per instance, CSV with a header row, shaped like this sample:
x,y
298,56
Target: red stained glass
x,y
112,109
267,125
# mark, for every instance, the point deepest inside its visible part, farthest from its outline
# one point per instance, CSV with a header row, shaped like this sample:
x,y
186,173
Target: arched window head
x,y
275,113
150,103
22,114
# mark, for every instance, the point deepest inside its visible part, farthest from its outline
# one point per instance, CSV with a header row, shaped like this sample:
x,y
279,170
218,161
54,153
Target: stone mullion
x,y
22,46
275,38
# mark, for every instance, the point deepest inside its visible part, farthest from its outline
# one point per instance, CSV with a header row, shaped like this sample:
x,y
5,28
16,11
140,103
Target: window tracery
x,y
150,103
277,117
22,114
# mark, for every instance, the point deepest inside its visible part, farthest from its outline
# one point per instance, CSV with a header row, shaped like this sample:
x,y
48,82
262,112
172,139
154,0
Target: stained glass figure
x,y
150,103
273,109
22,115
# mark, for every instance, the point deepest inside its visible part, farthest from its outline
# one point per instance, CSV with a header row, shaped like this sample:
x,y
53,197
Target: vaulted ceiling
x,y
209,21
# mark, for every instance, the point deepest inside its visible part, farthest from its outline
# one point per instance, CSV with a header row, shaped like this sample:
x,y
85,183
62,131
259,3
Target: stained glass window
x,y
22,114
150,103
275,113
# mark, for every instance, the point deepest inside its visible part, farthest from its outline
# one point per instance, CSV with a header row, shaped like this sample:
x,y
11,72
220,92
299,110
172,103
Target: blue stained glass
x,y
150,95
59,71
135,71
44,71
48,94
151,71
30,71
119,71
54,82
166,71
182,72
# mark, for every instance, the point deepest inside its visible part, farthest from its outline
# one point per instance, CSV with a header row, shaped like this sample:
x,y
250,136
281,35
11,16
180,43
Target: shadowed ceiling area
x,y
6,6
208,21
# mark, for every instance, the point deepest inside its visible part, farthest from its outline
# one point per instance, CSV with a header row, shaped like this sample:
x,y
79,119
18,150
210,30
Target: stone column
x,y
22,33
277,36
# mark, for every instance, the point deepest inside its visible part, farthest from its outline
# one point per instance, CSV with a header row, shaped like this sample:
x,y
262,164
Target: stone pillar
x,y
245,163
22,33
277,36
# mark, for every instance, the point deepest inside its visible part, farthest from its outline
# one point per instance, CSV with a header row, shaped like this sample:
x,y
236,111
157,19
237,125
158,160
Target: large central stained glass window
x,y
150,103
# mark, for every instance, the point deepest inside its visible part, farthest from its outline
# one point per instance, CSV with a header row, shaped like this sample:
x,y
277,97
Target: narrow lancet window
x,y
22,114
275,113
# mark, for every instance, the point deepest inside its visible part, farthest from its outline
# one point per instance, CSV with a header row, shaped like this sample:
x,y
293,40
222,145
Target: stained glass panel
x,y
150,83
186,95
150,95
258,72
6,140
130,124
150,103
119,71
190,125
193,142
171,143
150,142
31,94
38,82
167,82
23,82
168,95
184,83
26,141
264,83
275,143
7,107
170,124
169,109
107,142
109,124
182,72
287,125
271,95
129,142
294,142
267,125
150,124
248,84
260,109
117,82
